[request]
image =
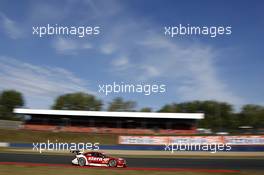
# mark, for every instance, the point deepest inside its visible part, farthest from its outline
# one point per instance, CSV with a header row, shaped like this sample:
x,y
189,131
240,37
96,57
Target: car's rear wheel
x,y
112,163
81,161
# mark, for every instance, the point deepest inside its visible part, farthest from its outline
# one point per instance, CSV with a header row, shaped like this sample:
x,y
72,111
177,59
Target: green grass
x,y
26,170
9,135
42,136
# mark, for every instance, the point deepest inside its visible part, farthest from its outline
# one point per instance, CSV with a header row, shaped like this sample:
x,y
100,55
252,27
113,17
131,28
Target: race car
x,y
97,159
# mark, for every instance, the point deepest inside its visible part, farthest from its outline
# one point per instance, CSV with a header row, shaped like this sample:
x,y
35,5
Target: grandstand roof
x,y
110,114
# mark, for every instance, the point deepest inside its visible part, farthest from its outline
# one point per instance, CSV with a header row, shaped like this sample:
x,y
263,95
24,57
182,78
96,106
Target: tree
x,y
10,99
77,101
252,115
118,104
169,108
145,109
217,114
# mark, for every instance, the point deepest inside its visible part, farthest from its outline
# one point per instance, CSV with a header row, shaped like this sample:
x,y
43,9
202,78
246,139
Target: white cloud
x,y
47,12
120,62
62,45
150,71
70,46
86,46
109,8
38,82
188,67
108,48
10,27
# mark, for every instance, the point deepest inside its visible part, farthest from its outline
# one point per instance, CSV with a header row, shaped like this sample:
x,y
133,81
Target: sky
x,y
133,49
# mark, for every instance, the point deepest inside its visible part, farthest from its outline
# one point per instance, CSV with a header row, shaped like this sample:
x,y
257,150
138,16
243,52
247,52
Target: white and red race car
x,y
97,159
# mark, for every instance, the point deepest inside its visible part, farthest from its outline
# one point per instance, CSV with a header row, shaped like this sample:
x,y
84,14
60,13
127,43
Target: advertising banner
x,y
162,140
143,140
244,140
195,139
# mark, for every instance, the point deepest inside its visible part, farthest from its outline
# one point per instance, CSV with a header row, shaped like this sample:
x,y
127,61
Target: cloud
x,y
137,50
38,82
47,12
109,8
10,27
108,48
120,62
69,46
189,68
150,71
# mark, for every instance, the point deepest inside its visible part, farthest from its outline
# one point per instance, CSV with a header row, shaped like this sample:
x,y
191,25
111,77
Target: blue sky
x,y
132,48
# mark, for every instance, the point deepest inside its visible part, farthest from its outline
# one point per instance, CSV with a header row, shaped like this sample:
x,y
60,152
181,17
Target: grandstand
x,y
110,122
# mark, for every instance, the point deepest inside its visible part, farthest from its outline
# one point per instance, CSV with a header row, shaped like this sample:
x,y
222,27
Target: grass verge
x,y
25,170
7,135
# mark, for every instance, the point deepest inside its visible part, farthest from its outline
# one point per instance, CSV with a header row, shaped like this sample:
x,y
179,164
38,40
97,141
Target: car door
x,y
105,159
96,158
91,157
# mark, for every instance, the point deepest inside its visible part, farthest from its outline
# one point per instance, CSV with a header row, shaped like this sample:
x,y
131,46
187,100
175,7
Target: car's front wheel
x,y
81,161
112,163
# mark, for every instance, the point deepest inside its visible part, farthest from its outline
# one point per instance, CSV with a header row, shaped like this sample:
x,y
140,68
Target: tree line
x,y
218,115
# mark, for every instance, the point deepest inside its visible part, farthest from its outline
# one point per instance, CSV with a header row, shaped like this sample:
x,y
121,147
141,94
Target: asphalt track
x,y
194,163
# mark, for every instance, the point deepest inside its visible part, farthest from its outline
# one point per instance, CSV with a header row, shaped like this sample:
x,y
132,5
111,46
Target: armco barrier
x,y
235,148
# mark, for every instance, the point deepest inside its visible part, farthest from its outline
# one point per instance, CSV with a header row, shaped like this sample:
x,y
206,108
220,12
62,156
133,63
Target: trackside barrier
x,y
235,148
163,140
250,143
